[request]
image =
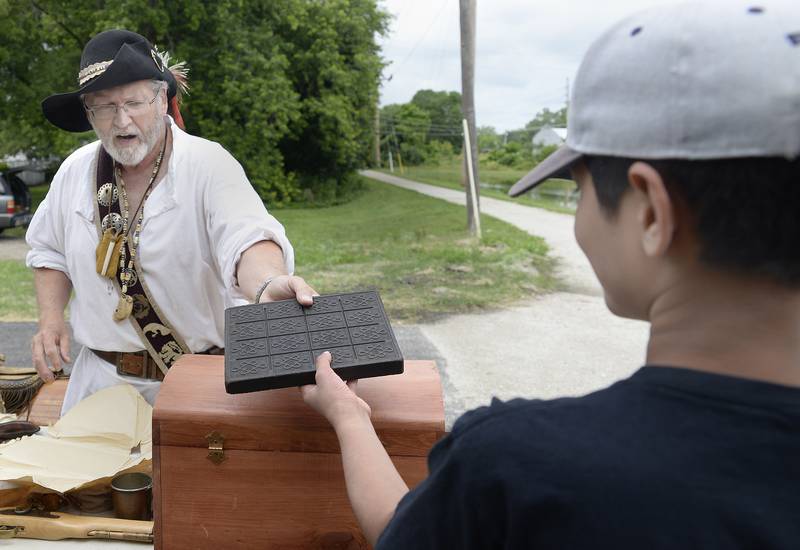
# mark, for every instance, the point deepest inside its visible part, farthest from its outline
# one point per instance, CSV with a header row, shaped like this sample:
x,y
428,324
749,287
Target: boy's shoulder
x,y
495,419
655,415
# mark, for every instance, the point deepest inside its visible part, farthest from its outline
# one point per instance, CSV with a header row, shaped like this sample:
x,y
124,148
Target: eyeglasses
x,y
109,111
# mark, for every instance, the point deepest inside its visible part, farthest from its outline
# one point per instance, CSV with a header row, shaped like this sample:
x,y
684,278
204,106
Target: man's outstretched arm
x,y
263,262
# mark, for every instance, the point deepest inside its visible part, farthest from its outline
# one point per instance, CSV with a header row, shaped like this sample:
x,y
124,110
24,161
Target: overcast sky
x,y
525,51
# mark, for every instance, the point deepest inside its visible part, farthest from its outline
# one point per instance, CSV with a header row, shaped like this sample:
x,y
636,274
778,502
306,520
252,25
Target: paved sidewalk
x,y
559,344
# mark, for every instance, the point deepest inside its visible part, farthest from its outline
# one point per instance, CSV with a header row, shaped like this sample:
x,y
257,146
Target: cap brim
x,y
555,166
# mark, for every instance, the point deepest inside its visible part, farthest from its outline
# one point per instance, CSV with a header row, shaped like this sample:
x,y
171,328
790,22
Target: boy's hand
x,y
332,397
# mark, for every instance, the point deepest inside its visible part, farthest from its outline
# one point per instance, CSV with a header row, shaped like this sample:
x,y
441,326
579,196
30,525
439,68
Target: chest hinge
x,y
216,453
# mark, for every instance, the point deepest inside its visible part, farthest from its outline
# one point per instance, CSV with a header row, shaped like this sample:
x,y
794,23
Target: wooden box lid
x,y
407,411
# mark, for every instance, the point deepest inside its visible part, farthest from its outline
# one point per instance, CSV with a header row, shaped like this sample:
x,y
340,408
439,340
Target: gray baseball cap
x,y
705,79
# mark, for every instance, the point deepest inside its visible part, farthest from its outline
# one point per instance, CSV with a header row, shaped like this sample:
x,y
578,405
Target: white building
x,y
549,136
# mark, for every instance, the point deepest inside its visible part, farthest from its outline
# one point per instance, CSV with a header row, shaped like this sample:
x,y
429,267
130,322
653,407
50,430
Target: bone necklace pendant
x,y
124,308
107,253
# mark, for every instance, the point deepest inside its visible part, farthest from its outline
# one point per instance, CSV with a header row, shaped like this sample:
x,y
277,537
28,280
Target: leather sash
x,y
163,344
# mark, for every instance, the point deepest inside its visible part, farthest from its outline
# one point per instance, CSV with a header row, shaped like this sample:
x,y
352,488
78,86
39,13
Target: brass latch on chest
x,y
216,453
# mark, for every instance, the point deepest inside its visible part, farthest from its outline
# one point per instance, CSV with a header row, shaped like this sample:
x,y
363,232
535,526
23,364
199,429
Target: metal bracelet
x,y
262,288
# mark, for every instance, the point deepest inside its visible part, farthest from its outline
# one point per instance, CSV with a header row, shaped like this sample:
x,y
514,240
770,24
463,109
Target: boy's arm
x,y
373,484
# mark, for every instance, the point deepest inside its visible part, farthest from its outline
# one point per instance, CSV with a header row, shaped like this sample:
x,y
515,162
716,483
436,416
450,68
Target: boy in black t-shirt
x,y
684,141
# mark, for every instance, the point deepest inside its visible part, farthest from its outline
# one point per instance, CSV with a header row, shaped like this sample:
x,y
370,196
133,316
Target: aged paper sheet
x,y
105,433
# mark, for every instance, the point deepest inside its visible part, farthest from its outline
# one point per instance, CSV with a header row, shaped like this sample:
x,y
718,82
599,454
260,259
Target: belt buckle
x,y
133,364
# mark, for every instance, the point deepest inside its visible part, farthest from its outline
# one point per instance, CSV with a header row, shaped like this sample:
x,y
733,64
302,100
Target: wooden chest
x,y
280,482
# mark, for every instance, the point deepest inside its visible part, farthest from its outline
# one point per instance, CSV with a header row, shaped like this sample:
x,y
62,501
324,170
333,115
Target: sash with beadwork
x,y
163,344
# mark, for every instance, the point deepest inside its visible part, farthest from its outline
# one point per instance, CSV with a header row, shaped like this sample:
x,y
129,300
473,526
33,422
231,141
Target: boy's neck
x,y
730,326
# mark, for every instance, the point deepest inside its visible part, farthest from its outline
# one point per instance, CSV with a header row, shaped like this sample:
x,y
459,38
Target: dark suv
x,y
15,200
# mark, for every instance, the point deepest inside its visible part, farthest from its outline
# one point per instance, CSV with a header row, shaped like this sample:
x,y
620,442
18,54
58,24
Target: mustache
x,y
134,133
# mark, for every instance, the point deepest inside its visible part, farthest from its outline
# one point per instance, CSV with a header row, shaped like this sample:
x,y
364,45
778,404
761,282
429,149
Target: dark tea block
x,y
274,345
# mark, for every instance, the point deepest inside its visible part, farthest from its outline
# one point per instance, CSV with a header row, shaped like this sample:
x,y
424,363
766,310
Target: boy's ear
x,y
655,209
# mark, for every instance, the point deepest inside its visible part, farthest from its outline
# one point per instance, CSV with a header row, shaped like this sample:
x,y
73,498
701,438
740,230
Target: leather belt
x,y
139,363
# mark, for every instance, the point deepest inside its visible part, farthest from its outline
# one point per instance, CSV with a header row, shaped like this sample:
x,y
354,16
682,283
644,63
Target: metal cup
x,y
131,494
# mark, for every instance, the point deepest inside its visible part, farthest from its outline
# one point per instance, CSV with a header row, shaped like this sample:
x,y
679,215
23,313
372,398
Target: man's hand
x,y
285,287
264,260
334,398
49,348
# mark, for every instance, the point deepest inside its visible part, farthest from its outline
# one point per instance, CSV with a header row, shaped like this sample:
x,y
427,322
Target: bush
x,y
541,153
512,154
320,192
439,151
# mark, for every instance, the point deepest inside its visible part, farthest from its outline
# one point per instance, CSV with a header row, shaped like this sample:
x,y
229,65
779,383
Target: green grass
x,y
416,252
448,174
17,297
414,249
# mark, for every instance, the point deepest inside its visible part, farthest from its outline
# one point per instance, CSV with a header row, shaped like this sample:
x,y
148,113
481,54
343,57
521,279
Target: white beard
x,y
132,155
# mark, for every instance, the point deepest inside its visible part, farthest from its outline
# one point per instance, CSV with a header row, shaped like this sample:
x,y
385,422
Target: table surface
x,y
72,544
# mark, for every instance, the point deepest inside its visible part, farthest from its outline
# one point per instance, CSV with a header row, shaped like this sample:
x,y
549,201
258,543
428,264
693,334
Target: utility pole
x,y
566,101
377,132
467,8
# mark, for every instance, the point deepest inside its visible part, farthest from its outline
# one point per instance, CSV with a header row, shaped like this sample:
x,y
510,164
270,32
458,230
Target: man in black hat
x,y
156,231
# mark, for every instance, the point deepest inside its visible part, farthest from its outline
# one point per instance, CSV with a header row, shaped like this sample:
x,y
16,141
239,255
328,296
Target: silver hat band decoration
x,y
93,70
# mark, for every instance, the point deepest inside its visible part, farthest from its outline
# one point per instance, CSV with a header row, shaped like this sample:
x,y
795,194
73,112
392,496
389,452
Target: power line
x,y
423,35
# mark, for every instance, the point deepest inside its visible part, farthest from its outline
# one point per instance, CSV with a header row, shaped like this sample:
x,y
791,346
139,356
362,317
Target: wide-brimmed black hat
x,y
111,58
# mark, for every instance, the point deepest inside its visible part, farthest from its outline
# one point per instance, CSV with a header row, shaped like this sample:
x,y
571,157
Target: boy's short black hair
x,y
746,211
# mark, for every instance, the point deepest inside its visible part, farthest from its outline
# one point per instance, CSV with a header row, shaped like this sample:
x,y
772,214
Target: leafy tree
x,y
407,129
288,86
336,71
488,139
444,111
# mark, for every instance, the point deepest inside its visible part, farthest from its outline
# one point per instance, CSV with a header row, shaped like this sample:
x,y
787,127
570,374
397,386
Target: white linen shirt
x,y
197,223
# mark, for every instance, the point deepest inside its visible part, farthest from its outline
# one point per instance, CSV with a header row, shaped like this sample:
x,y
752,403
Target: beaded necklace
x,y
131,242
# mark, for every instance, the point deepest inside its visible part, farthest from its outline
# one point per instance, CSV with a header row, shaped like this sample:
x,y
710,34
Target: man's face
x,y
612,247
129,136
